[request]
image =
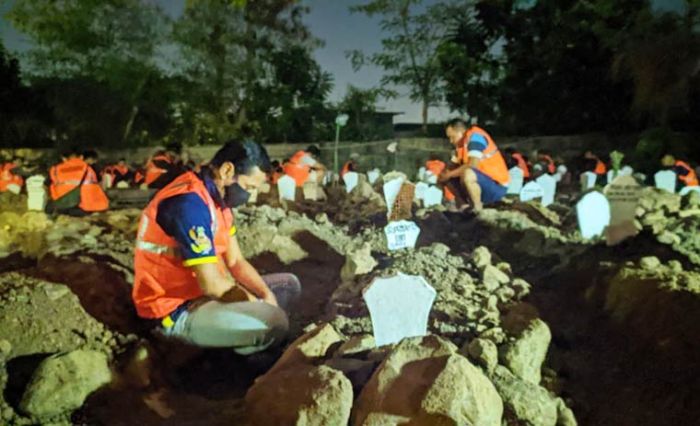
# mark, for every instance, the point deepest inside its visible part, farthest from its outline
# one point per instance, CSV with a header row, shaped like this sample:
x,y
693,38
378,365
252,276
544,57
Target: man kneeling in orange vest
x,y
190,274
479,169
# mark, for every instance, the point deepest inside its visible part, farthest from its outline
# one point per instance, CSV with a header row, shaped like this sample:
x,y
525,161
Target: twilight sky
x,y
331,21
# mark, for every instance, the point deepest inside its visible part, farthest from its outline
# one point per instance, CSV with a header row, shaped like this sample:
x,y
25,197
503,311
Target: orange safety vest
x,y
551,167
492,164
522,164
8,178
600,167
153,172
691,179
73,172
298,171
162,282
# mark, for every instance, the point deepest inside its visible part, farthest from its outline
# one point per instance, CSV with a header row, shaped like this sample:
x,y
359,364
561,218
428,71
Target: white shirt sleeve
x,y
476,154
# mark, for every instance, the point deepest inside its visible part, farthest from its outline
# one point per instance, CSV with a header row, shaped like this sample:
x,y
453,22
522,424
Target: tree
x,y
226,49
409,51
360,105
112,42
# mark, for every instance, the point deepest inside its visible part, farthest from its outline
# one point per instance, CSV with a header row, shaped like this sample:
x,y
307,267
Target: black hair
x,y
457,123
90,153
313,150
174,147
245,156
510,150
122,159
69,151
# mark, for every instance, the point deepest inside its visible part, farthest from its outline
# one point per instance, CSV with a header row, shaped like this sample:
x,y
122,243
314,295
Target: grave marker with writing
x,y
623,193
531,191
402,234
36,193
549,188
399,307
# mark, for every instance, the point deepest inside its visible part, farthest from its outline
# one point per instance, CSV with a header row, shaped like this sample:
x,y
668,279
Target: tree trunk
x,y
130,123
424,126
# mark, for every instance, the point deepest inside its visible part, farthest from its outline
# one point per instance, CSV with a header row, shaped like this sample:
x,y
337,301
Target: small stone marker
x,y
421,174
623,193
123,185
588,180
626,171
432,197
561,172
313,176
593,213
516,181
688,189
391,191
421,188
399,307
665,179
287,187
531,191
36,193
107,181
14,188
350,179
373,175
402,234
549,188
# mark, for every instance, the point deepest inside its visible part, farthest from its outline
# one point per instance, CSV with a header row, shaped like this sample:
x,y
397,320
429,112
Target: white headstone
x,y
626,171
516,180
593,213
431,178
373,175
123,184
623,193
107,181
421,174
588,180
421,187
313,176
688,189
391,191
350,179
327,178
432,197
310,190
612,175
401,234
14,188
36,193
531,191
287,186
665,179
399,307
549,188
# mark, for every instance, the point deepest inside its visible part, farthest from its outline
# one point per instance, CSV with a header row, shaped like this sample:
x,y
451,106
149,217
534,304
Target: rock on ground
x,y
62,382
525,355
312,346
426,381
303,395
525,403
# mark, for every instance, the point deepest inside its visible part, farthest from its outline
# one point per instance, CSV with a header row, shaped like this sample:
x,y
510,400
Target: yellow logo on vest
x,y
201,244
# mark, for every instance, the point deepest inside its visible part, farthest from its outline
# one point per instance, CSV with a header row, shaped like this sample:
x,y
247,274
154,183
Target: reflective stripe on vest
x,y
157,248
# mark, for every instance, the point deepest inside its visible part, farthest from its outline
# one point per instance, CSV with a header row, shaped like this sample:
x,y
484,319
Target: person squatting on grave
x,y
686,174
479,172
190,275
302,163
74,187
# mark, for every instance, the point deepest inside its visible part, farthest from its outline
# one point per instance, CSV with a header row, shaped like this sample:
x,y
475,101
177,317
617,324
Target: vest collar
x,y
212,189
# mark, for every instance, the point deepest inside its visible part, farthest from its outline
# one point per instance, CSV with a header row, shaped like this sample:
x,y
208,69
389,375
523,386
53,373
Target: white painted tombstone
x,y
626,171
665,179
107,181
391,191
431,178
588,180
14,188
531,191
123,184
688,189
432,197
421,188
560,173
36,193
421,174
287,187
350,179
401,234
593,213
327,178
516,181
311,191
373,175
399,307
623,193
549,188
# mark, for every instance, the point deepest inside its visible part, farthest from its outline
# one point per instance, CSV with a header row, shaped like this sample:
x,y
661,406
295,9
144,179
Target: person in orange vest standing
x,y
479,171
302,163
190,277
515,158
686,174
71,175
9,180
